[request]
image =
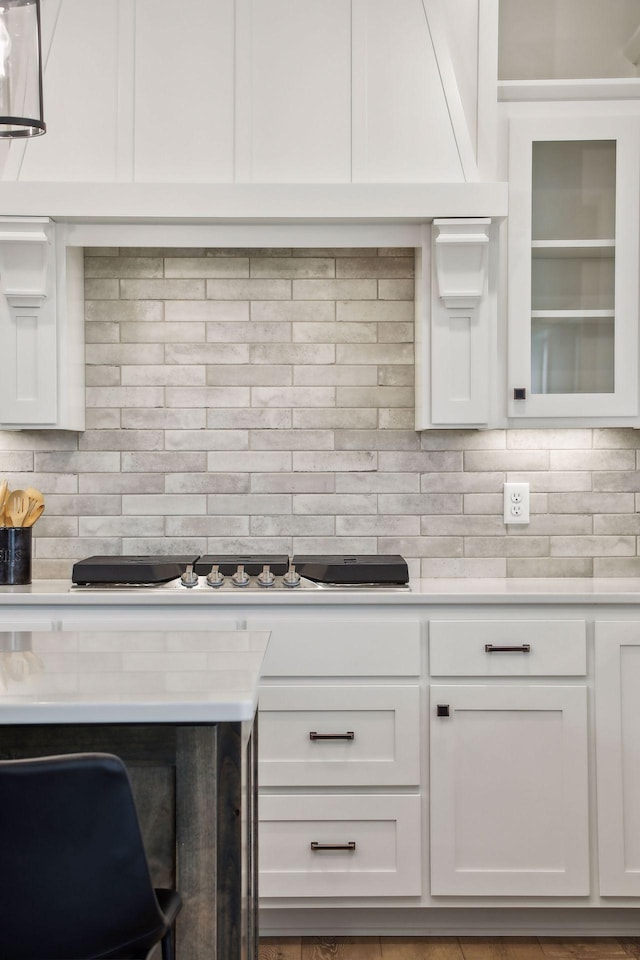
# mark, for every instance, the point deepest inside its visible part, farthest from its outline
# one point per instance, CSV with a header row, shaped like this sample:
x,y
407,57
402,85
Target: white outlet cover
x,y
516,503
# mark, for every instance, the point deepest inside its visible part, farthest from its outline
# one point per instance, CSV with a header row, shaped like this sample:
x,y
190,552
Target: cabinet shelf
x,y
573,249
562,316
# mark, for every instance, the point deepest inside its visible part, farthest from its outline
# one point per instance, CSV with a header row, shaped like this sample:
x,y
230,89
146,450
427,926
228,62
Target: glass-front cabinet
x,y
573,267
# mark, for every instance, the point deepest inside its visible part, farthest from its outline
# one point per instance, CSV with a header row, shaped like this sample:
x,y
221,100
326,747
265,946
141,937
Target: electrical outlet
x,y
516,503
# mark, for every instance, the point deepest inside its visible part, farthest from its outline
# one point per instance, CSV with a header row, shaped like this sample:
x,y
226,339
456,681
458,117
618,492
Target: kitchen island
x,y
178,706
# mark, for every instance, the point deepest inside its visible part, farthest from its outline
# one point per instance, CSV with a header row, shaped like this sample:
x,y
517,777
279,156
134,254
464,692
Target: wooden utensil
x,y
36,506
32,514
16,509
4,493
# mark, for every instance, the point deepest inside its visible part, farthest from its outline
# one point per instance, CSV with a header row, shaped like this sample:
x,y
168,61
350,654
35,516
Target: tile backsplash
x,y
262,400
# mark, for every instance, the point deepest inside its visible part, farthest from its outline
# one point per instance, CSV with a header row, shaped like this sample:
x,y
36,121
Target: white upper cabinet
x,y
573,265
276,91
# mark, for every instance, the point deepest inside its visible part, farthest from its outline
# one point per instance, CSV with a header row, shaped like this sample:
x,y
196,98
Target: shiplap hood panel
x,y
145,94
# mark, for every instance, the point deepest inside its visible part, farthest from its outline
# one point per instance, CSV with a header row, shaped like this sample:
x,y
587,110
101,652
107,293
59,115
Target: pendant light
x,y
20,69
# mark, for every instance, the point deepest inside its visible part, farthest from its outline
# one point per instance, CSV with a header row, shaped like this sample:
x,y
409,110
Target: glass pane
x,y
574,190
572,283
572,355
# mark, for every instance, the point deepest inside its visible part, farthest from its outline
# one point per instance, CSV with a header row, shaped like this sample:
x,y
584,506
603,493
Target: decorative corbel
x,y
460,248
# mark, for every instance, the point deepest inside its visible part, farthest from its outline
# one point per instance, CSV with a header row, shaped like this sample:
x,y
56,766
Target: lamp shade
x,y
20,69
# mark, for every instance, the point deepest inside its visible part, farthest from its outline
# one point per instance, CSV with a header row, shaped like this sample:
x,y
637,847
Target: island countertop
x,y
130,676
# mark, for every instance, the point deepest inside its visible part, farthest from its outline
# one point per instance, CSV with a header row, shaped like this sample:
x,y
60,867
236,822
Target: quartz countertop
x,y
130,676
422,592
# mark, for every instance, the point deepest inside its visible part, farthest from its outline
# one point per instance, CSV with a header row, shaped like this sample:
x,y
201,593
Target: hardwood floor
x,y
449,948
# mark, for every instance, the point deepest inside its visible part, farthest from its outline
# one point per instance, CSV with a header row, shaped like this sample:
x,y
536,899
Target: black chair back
x,y
74,878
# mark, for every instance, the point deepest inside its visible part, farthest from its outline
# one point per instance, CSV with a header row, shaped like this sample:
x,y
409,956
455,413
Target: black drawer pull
x,y
351,845
349,735
523,648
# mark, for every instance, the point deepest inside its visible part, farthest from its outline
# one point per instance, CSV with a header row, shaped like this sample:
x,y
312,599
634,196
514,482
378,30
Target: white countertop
x,y
422,592
130,676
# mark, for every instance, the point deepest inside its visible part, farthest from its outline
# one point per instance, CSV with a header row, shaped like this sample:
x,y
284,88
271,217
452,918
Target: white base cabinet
x,y
618,757
509,790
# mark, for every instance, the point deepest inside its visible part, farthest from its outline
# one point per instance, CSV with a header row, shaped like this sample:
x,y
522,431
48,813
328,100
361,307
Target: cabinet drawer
x,y
340,648
555,648
379,839
346,735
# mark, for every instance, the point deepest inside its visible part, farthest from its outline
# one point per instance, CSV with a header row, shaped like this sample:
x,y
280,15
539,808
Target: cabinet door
x,y
573,267
509,790
618,757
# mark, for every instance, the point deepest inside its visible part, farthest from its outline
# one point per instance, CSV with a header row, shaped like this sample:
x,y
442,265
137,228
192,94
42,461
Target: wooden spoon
x,y
36,502
32,514
17,508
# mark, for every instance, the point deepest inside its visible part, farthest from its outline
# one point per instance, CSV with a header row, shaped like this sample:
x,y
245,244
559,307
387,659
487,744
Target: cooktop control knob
x,y
291,577
214,577
240,577
189,578
266,578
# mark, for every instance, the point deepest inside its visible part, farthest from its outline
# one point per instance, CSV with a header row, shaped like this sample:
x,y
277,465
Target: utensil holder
x,y
15,555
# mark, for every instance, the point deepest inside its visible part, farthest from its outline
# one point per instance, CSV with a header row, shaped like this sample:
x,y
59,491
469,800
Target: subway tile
x,y
75,462
569,524
421,462
248,461
248,375
207,526
463,440
616,567
101,289
249,545
423,546
162,289
616,523
549,439
164,504
375,397
293,483
291,439
377,482
506,546
164,461
296,311
125,396
121,353
292,526
374,353
334,460
334,289
249,504
620,480
206,439
207,397
556,481
331,418
57,526
30,440
420,503
164,419
48,483
396,290
379,526
334,332
395,375
335,503
207,311
292,397
249,418
207,353
102,376
506,460
121,526
123,311
121,440
164,375
102,419
591,503
206,483
295,267
326,375
293,353
102,332
592,459
162,333
73,547
453,567
76,505
478,503
250,289
390,268
390,419
120,483
395,440
207,267
348,545
119,267
444,482
461,525
249,332
612,438
153,546
51,569
550,567
374,311
393,332
593,546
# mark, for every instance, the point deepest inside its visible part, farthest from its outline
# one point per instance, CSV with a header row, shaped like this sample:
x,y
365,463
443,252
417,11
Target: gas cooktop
x,y
221,571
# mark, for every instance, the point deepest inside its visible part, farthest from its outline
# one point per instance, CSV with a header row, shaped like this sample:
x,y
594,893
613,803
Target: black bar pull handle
x,y
349,735
351,845
518,648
